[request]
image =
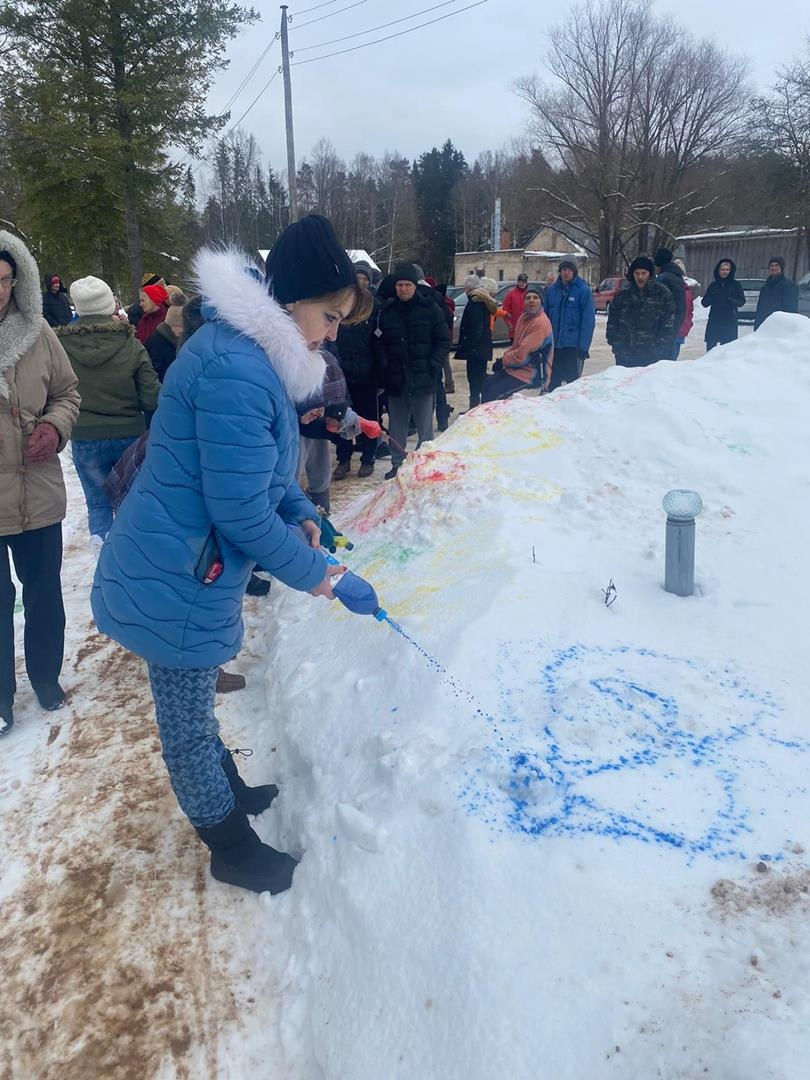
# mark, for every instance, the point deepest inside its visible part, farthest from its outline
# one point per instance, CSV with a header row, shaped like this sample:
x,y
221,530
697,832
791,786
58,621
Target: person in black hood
x,y
671,275
55,304
641,320
779,293
723,297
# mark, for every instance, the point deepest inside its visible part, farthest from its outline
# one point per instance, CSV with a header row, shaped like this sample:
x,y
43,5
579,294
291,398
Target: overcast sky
x,y
449,80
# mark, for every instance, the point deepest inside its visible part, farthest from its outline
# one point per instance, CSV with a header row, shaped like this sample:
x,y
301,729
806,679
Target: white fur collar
x,y
246,305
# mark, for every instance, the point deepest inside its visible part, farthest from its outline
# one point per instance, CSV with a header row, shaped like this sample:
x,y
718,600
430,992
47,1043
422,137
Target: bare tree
x,y
635,106
782,142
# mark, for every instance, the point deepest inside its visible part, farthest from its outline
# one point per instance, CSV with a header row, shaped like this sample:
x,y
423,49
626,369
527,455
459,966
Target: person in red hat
x,y
55,304
154,305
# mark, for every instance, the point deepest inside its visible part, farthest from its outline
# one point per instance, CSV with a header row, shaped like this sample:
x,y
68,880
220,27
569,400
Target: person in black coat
x,y
416,347
641,319
55,304
475,336
723,298
386,291
671,275
163,344
779,293
361,358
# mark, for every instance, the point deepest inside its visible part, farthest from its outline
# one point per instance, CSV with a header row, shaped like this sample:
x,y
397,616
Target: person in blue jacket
x,y
570,308
215,497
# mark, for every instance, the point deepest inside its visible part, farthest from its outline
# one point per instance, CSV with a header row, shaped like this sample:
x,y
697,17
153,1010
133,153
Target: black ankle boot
x,y
51,696
238,857
253,800
257,586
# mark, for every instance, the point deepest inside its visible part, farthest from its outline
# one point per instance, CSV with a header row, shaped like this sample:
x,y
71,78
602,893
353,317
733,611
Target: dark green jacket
x,y
117,382
641,323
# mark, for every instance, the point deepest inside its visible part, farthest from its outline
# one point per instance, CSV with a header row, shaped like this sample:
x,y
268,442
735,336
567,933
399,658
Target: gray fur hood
x,y
23,323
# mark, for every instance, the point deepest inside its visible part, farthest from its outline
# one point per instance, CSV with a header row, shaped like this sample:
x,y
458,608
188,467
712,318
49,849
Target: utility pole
x,y
496,226
288,116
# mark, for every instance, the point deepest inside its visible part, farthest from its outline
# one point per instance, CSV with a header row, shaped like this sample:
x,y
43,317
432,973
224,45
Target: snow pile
x,y
581,852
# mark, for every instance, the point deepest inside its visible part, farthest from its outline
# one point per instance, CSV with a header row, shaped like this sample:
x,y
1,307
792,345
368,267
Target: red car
x,y
604,293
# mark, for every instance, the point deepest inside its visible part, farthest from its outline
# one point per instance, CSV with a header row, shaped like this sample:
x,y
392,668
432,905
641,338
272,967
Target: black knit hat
x,y
777,259
364,268
663,257
405,272
641,262
568,264
307,261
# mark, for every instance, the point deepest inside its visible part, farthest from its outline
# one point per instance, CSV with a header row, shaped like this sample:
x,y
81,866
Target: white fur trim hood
x,y
245,304
23,324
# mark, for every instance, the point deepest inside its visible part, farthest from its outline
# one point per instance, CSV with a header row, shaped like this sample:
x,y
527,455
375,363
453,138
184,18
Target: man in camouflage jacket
x,y
641,322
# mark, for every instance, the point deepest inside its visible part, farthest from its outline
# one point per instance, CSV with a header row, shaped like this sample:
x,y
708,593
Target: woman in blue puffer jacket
x,y
215,496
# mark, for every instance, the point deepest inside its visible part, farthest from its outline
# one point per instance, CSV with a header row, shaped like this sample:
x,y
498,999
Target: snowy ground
x,y
578,854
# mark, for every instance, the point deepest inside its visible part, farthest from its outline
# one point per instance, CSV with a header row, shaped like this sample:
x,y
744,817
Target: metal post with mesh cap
x,y
681,507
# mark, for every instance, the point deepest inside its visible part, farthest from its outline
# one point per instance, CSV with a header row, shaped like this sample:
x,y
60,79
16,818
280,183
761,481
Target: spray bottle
x,y
354,592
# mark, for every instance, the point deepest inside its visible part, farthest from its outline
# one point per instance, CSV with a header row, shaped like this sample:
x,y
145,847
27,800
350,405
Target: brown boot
x,y
342,470
228,681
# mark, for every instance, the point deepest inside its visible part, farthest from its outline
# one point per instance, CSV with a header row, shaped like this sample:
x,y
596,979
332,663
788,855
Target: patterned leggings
x,y
192,748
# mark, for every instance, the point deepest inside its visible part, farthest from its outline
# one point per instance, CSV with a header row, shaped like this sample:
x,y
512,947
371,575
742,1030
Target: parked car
x,y
804,295
750,287
605,292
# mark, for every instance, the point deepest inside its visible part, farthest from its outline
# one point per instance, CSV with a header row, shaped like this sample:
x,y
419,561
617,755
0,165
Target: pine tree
x,y
436,176
99,90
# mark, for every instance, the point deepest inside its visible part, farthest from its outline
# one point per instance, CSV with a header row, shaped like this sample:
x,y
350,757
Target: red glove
x,y
43,444
370,428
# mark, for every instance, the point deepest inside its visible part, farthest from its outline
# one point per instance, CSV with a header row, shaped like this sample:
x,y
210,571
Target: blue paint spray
x,y
609,755
359,597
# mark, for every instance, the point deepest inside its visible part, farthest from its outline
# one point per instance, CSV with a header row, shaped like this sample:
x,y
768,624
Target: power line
x,y
372,29
249,75
390,37
330,15
266,86
317,7
208,157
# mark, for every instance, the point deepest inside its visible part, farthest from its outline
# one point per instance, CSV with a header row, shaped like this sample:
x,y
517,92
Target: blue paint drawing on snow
x,y
635,745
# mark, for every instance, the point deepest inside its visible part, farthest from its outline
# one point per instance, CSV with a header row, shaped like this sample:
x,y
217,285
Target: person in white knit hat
x,y
119,391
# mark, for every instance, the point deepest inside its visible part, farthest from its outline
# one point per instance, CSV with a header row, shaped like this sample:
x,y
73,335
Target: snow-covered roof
x,y
356,255
578,254
359,255
489,251
725,234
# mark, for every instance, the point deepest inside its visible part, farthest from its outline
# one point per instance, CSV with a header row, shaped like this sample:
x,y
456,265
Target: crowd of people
x,y
192,419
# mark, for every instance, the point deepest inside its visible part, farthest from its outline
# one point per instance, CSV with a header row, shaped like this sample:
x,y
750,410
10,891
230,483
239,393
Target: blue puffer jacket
x,y
571,311
218,482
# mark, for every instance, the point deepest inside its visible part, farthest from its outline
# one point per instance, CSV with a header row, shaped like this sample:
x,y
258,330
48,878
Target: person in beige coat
x,y
39,404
